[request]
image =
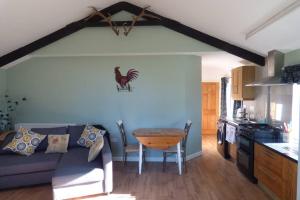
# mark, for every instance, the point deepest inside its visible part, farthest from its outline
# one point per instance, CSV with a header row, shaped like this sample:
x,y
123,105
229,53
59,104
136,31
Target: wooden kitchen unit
x,y
240,77
275,172
232,150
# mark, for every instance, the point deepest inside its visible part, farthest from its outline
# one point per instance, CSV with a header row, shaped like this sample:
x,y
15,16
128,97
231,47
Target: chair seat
x,y
173,150
132,148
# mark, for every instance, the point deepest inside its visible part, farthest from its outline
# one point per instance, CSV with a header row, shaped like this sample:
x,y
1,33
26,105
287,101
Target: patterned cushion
x,y
58,143
25,142
75,133
49,131
89,136
96,148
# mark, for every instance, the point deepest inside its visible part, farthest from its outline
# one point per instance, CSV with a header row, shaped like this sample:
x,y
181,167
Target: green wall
x,y
2,87
292,58
2,82
72,80
83,90
140,41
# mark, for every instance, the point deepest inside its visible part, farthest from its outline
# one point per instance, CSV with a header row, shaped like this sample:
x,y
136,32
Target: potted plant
x,y
8,106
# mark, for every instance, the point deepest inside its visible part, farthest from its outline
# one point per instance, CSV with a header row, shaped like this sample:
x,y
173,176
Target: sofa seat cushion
x,y
79,157
13,164
78,175
74,169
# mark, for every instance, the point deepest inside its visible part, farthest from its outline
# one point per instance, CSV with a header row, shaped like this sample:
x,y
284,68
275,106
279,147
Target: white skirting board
x,y
156,159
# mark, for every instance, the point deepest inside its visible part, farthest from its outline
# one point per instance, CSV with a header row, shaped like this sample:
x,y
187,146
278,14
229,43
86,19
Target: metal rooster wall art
x,y
123,81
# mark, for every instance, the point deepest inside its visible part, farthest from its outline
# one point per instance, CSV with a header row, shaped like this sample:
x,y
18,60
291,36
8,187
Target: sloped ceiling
x,y
23,22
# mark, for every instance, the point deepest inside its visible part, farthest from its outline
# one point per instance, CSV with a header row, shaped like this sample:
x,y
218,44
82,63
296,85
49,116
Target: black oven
x,y
245,156
246,135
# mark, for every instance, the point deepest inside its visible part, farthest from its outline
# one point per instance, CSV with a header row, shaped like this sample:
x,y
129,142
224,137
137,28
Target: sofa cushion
x,y
74,169
7,140
96,148
76,175
25,142
75,133
89,136
58,143
78,156
49,131
13,164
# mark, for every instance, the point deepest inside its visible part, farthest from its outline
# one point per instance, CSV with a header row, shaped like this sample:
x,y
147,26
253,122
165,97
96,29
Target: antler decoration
x,y
107,19
136,18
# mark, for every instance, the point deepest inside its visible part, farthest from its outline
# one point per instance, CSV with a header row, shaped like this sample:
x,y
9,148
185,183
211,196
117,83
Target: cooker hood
x,y
275,62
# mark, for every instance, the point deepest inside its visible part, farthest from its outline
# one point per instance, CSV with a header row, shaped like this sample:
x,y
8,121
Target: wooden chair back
x,y
122,132
187,128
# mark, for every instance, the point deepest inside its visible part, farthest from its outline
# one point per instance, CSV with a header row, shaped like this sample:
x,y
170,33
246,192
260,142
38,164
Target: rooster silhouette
x,y
123,81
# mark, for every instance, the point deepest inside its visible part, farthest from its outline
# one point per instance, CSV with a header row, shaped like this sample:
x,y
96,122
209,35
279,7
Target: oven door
x,y
244,143
243,160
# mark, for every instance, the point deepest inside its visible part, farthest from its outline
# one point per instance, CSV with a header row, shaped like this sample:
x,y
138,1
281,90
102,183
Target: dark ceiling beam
x,y
115,8
44,41
59,34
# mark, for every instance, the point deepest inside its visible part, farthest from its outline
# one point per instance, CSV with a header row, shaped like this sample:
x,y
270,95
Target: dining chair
x,y
173,150
128,148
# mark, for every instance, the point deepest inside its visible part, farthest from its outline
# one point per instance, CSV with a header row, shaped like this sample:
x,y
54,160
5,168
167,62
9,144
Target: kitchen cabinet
x,y
276,172
240,77
232,149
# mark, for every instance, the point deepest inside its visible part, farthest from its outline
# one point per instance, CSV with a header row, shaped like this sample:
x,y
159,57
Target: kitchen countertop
x,y
288,150
236,121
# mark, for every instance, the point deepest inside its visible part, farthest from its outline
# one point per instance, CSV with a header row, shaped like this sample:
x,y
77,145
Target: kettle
x,y
241,112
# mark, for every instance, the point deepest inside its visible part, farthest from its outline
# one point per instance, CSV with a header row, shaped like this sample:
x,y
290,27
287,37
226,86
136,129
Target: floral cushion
x,y
89,136
96,148
25,142
58,143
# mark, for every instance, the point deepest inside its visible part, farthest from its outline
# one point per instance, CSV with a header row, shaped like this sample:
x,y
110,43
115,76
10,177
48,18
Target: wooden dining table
x,y
159,138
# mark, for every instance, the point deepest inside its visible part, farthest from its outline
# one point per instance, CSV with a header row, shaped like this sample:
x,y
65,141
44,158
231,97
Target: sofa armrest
x,y
107,166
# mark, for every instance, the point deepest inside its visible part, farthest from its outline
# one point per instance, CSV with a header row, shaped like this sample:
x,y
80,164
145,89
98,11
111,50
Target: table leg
x,y
140,158
179,157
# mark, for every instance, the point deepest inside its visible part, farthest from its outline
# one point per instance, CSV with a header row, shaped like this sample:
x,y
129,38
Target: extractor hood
x,y
275,62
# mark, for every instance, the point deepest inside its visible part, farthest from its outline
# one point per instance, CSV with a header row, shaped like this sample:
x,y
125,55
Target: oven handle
x,y
243,152
239,136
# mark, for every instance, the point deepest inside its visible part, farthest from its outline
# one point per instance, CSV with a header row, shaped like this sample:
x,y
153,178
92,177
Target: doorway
x,y
210,107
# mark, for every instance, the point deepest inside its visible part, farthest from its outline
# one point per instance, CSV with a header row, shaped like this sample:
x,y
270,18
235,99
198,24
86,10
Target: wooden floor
x,y
208,177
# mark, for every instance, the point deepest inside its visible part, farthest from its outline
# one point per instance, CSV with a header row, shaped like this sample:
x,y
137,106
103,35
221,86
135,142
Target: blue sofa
x,y
67,172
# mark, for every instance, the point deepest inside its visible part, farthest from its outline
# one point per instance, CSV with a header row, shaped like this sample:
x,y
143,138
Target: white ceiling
x,y
22,22
222,60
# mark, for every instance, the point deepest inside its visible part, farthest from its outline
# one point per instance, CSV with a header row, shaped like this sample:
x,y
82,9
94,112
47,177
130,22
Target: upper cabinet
x,y
240,77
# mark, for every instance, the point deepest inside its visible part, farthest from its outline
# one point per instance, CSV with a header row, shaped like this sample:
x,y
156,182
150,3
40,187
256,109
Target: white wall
x,y
214,74
2,82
